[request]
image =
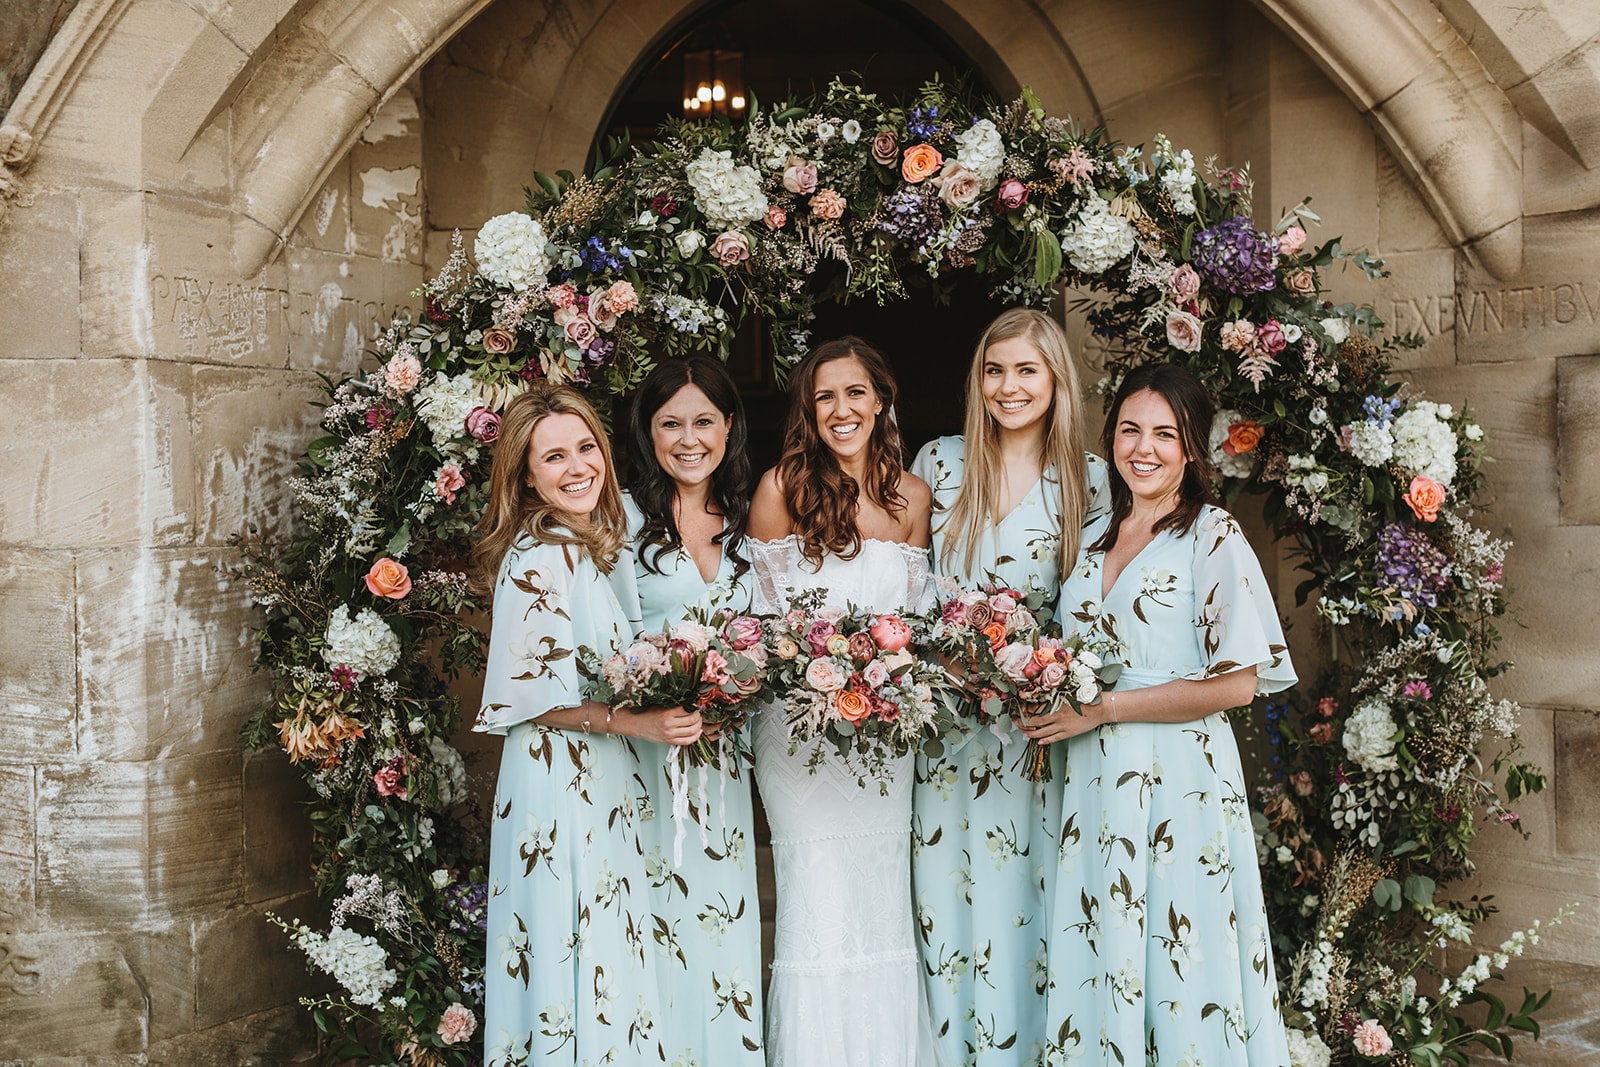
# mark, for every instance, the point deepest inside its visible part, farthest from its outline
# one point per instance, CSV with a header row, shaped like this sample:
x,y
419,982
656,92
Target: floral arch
x,y
1374,788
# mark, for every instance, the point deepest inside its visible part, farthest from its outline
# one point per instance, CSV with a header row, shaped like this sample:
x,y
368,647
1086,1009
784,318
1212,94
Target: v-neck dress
x,y
983,837
708,930
1159,949
570,977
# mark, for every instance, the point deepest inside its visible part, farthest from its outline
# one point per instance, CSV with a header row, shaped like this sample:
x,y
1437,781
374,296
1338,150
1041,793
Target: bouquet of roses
x,y
1040,673
855,680
716,666
972,623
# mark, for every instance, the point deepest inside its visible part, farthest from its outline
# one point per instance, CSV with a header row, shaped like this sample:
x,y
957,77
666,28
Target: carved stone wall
x,y
206,203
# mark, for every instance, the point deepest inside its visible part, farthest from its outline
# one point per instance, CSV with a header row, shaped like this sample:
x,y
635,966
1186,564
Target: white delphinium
x,y
728,195
1371,443
355,961
511,251
983,152
1177,176
1097,238
365,643
1424,443
1229,466
1369,737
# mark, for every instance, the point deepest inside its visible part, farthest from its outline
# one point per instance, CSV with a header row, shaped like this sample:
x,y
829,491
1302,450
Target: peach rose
x,y
389,578
852,706
1300,282
996,633
958,186
498,341
1243,437
827,205
776,217
603,314
1183,331
920,163
731,248
580,331
824,677
1426,498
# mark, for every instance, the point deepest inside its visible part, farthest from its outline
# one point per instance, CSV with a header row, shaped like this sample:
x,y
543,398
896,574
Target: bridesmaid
x,y
569,977
1009,499
689,495
1158,941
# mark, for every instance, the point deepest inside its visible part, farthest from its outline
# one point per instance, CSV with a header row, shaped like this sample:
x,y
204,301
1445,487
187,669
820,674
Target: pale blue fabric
x,y
708,930
1158,942
569,976
983,859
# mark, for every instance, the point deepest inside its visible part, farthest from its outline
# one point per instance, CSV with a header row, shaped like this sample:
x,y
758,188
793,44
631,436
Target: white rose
x,y
1087,692
441,878
1090,660
689,242
1473,431
1336,328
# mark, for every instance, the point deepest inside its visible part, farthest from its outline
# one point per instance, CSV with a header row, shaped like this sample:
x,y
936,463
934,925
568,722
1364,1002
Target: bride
x,y
838,512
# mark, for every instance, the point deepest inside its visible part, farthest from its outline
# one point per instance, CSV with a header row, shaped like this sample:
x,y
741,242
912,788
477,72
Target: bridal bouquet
x,y
853,679
1035,674
971,624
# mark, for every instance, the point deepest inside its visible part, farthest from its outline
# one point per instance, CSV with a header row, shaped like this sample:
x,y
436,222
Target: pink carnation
x,y
1238,335
562,296
622,297
402,373
457,1024
827,205
776,217
447,481
1371,1039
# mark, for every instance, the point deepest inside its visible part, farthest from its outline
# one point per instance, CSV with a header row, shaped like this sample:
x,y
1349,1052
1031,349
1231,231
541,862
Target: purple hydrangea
x,y
1411,564
913,215
1236,257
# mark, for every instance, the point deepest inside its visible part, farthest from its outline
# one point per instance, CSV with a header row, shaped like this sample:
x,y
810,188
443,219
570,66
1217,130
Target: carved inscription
x,y
1488,312
227,321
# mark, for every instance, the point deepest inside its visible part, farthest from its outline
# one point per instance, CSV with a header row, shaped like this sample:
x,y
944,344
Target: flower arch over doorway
x,y
1372,790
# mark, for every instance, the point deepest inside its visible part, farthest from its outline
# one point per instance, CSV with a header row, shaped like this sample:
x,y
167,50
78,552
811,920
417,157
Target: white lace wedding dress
x,y
846,986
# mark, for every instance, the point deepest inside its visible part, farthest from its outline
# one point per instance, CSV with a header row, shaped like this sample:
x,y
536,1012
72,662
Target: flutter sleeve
x,y
1235,614
1097,488
532,664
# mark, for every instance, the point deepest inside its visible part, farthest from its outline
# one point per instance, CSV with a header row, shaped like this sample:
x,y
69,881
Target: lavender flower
x,y
914,216
923,122
1236,256
1379,410
1410,563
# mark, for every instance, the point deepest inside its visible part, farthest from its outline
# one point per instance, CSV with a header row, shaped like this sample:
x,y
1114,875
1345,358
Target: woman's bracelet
x,y
609,712
1113,708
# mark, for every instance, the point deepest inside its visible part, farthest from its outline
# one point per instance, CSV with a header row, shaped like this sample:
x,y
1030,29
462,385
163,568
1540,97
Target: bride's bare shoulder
x,y
769,510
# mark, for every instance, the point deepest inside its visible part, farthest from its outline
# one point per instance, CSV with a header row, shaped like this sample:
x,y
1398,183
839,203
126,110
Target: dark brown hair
x,y
822,499
1191,406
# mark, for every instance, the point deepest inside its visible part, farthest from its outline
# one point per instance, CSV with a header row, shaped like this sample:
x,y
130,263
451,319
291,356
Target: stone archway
x,y
209,203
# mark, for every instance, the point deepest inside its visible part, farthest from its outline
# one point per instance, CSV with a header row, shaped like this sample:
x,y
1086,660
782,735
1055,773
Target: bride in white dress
x,y
838,512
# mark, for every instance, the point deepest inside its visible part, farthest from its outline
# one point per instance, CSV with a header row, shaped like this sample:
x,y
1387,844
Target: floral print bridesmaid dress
x,y
983,837
1158,943
569,976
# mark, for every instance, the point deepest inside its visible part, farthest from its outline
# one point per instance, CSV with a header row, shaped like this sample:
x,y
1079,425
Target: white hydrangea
x,y
727,194
1240,466
1424,443
365,643
354,960
1098,238
1368,737
444,404
510,251
1371,443
1308,1050
449,771
983,152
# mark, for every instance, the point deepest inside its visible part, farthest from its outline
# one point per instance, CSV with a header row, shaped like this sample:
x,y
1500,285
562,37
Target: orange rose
x,y
1045,656
1242,438
921,162
853,707
996,633
388,578
1426,498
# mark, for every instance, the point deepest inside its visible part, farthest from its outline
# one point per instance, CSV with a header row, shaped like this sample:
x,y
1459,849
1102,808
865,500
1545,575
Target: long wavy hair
x,y
1061,455
516,510
652,487
823,500
1193,409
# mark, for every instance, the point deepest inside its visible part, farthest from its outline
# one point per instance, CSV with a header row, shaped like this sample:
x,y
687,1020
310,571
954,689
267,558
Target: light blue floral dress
x,y
1158,944
983,852
707,932
569,976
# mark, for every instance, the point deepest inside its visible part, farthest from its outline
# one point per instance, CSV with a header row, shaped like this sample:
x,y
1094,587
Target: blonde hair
x,y
977,503
515,508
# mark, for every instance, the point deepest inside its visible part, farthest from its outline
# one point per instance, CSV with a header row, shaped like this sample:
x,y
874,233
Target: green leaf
x,y
1386,894
1046,258
547,183
397,543
1419,890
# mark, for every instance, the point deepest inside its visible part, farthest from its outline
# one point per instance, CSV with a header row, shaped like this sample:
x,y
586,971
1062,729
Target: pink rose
x,y
875,673
1012,194
580,331
1290,240
389,578
697,636
1183,331
1322,733
622,297
566,316
958,186
1003,603
1370,1038
561,296
1053,675
390,779
401,374
891,633
885,148
800,177
817,636
731,248
1300,282
823,676
827,205
742,632
601,313
1238,335
776,217
1184,284
457,1024
1303,785
447,481
1013,660
1269,337
483,426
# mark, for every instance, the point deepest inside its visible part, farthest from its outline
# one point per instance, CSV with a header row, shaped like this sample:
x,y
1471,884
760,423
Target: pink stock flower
x,y
1302,782
448,481
1327,706
390,779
